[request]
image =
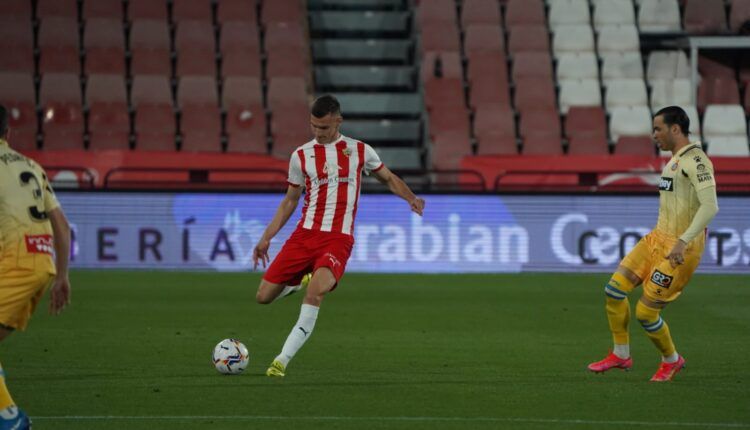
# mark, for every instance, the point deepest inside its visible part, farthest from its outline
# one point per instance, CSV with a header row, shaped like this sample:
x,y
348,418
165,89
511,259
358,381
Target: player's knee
x,y
263,298
648,317
614,291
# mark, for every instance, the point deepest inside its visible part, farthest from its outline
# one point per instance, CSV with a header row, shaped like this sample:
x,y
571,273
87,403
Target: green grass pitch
x,y
388,352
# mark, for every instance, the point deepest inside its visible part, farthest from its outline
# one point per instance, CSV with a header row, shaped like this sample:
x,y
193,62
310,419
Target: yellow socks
x,y
618,308
656,329
5,399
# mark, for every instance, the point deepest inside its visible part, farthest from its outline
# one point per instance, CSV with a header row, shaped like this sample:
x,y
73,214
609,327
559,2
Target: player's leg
x,y
283,276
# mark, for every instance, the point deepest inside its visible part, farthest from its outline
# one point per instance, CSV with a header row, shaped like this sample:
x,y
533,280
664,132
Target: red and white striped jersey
x,y
332,176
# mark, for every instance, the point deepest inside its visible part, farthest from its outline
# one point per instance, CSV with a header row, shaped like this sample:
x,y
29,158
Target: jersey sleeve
x,y
372,160
296,177
699,171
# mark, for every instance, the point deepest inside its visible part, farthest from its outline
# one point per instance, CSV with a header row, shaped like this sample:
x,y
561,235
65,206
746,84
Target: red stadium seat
x,y
587,145
284,35
150,48
201,118
246,119
635,145
17,95
705,17
20,10
290,128
524,12
746,101
586,121
111,9
58,46
528,38
437,37
717,66
489,90
487,65
195,45
480,12
192,10
109,120
540,123
535,94
744,71
284,92
57,8
147,9
532,65
236,10
717,91
17,45
449,65
104,43
448,149
437,12
496,145
62,113
291,11
239,62
289,63
154,124
740,14
443,92
484,37
542,145
495,130
239,35
449,119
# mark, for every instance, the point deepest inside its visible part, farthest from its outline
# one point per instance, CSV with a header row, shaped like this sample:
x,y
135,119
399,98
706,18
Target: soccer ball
x,y
230,357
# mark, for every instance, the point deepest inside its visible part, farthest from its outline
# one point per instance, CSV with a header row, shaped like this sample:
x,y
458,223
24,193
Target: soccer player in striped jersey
x,y
34,247
664,260
329,168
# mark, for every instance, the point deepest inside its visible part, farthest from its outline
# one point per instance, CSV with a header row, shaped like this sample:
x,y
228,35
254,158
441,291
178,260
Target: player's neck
x,y
335,139
679,145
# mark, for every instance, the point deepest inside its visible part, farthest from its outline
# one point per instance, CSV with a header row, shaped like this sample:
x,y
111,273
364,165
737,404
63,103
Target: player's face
x,y
325,129
661,135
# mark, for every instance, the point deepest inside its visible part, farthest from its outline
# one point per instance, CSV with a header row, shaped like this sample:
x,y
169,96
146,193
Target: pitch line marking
x,y
396,419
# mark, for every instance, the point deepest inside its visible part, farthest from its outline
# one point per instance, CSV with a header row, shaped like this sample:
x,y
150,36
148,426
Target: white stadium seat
x,y
630,121
667,65
573,38
724,120
621,65
568,12
659,16
577,65
612,12
728,146
626,92
670,92
579,92
618,38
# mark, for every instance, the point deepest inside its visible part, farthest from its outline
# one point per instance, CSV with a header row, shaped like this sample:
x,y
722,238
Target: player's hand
x,y
59,295
677,254
260,253
417,205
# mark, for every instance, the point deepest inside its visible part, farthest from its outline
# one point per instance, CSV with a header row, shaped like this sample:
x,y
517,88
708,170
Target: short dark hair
x,y
3,120
675,115
324,105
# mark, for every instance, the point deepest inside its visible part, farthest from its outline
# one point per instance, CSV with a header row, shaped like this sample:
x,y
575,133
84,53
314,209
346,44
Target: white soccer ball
x,y
230,357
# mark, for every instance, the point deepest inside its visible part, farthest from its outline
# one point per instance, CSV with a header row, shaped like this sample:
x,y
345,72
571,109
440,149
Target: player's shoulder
x,y
304,146
9,155
694,156
350,141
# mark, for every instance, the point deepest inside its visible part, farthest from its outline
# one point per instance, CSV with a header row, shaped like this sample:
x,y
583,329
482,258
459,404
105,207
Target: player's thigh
x,y
289,266
20,294
333,255
638,262
665,283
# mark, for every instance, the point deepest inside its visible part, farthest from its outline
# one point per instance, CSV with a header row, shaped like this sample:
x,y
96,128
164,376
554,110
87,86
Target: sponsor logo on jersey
x,y
701,167
666,184
705,177
661,279
39,244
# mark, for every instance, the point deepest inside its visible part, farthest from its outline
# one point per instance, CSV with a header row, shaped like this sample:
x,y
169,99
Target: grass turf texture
x,y
388,351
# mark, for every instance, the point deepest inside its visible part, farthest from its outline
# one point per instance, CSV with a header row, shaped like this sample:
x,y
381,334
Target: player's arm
x,y
60,292
399,188
285,210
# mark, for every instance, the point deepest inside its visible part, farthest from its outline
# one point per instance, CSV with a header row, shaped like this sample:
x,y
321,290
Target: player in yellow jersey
x,y
665,259
34,249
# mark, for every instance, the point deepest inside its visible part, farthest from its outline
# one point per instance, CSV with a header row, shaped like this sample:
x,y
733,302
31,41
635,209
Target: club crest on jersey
x,y
39,244
346,151
666,184
674,166
661,279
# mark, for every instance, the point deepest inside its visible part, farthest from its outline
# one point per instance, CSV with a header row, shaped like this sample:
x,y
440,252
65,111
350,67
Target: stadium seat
x,y
659,16
670,92
147,9
448,149
524,12
535,94
59,46
437,37
484,37
289,63
542,145
449,65
107,9
240,62
728,146
635,145
291,11
108,119
18,97
150,48
191,10
572,38
437,12
239,35
290,128
449,119
17,45
200,116
532,64
630,121
724,120
613,12
717,91
236,11
618,38
577,65
104,43
242,101
587,145
568,12
283,35
443,92
667,65
195,46
540,123
746,100
62,113
480,12
586,121
19,10
717,66
486,65
283,92
489,91
528,38
621,65
739,15
57,8
154,125
494,128
579,92
626,92
705,17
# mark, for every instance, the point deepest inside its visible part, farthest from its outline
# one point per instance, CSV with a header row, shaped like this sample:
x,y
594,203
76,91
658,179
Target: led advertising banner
x,y
458,233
